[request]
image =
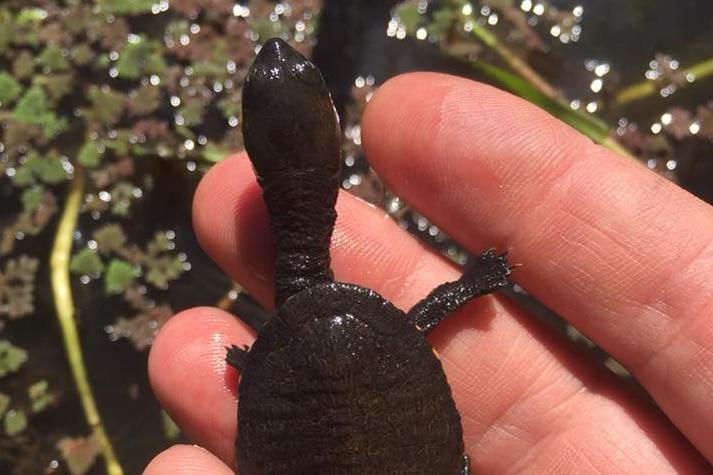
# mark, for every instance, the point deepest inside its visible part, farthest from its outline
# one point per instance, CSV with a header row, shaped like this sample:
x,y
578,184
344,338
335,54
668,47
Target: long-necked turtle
x,y
339,381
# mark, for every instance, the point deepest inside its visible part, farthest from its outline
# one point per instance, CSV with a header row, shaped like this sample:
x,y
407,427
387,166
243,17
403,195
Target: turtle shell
x,y
339,383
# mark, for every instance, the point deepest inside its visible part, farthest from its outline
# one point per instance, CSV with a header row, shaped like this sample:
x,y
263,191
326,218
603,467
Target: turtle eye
x,y
307,73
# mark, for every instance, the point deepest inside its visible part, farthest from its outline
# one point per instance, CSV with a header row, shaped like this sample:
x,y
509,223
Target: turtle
x,y
339,381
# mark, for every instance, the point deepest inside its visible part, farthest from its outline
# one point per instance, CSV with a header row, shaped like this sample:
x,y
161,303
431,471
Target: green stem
x,y
515,62
588,124
642,90
531,86
62,292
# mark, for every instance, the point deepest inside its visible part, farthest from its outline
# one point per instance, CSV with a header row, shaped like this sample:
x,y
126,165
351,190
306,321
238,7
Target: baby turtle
x,y
339,381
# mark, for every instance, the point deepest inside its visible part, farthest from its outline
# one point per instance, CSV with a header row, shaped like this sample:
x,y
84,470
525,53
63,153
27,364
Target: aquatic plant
x,y
91,92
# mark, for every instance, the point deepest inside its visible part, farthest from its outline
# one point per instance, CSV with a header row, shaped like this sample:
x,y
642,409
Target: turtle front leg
x,y
465,466
488,273
236,356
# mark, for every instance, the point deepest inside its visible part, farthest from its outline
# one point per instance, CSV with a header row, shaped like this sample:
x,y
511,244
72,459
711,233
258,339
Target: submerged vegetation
x,y
99,98
90,94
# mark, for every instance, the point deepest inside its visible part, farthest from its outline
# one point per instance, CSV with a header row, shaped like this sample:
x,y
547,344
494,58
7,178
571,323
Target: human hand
x,y
621,253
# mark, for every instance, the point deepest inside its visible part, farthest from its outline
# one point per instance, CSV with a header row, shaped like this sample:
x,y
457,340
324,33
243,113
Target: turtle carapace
x,y
339,381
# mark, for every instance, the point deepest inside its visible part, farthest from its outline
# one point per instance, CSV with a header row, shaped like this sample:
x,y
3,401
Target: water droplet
x,y
241,11
596,85
601,69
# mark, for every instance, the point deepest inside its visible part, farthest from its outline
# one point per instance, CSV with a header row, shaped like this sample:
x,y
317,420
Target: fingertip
x,y
231,223
186,460
191,379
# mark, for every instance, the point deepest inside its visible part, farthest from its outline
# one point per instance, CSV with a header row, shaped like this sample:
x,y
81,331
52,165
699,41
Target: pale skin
x,y
622,254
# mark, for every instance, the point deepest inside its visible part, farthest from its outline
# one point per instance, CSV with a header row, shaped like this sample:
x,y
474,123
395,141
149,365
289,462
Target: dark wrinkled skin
x,y
339,381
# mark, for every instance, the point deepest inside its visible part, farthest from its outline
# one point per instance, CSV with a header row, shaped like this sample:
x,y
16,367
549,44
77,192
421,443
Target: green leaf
x,y
140,57
4,403
119,276
31,15
132,58
58,85
230,107
32,197
11,357
146,100
15,422
170,429
9,88
47,169
23,177
82,54
214,154
86,262
107,105
34,108
129,7
110,238
192,111
409,16
24,65
7,30
264,28
53,59
40,396
163,269
89,156
79,453
122,195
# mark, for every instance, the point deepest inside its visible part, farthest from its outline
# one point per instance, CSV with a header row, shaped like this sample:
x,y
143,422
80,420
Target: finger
x,y
231,223
191,379
509,378
623,254
187,460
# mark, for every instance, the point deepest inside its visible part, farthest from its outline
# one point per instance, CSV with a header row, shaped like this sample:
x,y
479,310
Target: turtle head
x,y
289,121
292,136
